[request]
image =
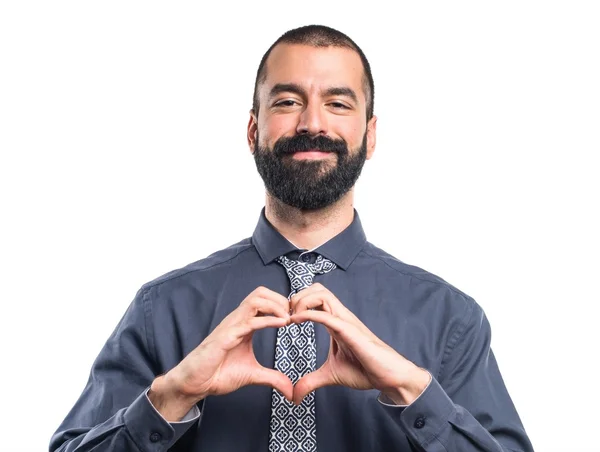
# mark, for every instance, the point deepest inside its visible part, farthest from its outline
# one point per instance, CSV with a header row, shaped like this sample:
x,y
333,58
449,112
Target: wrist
x,y
410,389
168,401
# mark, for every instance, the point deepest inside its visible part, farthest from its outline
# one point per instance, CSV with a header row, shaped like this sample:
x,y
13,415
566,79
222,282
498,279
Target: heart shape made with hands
x,y
225,361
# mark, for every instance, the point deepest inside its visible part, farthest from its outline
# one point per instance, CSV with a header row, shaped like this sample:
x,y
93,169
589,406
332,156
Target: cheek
x,y
352,132
274,128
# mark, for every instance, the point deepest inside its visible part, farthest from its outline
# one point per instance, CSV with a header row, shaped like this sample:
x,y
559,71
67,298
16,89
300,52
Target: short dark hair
x,y
318,36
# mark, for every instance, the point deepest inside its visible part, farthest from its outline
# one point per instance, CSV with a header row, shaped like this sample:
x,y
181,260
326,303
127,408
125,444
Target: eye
x,y
339,105
286,103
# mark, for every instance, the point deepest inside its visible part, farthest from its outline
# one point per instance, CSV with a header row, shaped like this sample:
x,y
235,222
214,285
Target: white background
x,y
123,156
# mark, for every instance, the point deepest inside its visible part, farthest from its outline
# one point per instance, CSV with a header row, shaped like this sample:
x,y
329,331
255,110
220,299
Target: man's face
x,y
311,137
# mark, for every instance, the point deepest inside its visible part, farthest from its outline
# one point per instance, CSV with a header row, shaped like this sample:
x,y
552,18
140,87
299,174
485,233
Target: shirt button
x,y
155,437
420,422
305,258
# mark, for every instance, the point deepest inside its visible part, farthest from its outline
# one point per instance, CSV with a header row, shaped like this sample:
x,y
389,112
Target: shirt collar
x,y
341,249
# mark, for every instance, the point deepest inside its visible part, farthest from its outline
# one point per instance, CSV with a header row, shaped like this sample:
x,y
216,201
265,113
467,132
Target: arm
x,y
467,408
114,413
125,408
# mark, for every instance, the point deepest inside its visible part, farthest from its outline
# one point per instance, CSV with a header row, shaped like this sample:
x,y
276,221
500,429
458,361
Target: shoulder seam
x,y
147,306
456,336
151,285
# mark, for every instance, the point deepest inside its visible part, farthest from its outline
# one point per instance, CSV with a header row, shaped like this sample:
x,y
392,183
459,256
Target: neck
x,y
308,229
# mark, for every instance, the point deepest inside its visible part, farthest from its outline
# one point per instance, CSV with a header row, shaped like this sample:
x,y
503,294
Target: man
x,y
367,353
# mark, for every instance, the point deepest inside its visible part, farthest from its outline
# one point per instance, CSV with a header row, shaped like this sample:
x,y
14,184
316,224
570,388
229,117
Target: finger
x,y
355,335
330,302
310,291
259,323
265,292
311,382
264,306
338,327
275,379
257,306
313,301
233,335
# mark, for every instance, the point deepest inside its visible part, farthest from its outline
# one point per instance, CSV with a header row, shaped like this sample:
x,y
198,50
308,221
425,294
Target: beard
x,y
309,184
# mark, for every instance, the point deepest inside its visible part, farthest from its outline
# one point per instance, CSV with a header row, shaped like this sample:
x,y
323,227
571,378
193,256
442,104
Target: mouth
x,y
310,154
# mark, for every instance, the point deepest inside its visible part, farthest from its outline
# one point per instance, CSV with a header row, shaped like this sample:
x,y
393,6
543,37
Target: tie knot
x,y
301,273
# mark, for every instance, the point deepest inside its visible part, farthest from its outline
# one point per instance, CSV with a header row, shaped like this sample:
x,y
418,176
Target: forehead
x,y
314,67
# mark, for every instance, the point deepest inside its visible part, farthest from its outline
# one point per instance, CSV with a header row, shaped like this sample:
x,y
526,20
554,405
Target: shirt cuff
x,y
385,400
426,416
191,415
150,431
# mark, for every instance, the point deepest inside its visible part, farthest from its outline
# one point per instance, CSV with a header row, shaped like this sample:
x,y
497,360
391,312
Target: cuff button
x,y
420,422
155,437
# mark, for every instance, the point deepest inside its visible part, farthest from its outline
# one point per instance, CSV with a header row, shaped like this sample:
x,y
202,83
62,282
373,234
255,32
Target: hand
x,y
357,358
225,361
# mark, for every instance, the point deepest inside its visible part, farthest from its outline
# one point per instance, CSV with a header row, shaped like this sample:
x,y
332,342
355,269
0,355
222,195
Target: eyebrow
x,y
297,89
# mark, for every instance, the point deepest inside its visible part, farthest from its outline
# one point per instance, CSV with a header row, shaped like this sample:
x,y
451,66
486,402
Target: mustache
x,y
303,143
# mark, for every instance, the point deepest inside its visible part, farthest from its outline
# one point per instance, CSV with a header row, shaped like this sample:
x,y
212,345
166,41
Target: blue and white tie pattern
x,y
293,428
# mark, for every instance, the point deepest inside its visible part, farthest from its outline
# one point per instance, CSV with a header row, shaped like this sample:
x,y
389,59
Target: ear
x,y
371,136
252,131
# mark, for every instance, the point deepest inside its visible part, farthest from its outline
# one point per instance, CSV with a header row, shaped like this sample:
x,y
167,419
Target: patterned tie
x,y
293,428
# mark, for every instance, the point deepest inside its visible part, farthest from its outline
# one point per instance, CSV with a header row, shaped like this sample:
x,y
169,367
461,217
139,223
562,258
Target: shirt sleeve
x,y
467,408
113,411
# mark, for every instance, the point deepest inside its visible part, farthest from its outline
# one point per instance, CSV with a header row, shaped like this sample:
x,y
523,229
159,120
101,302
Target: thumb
x,y
275,379
310,382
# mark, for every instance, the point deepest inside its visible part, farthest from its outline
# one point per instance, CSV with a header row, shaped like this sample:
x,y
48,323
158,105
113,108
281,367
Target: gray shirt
x,y
466,406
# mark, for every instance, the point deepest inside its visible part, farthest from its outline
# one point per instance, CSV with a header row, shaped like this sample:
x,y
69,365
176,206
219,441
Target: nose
x,y
313,120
